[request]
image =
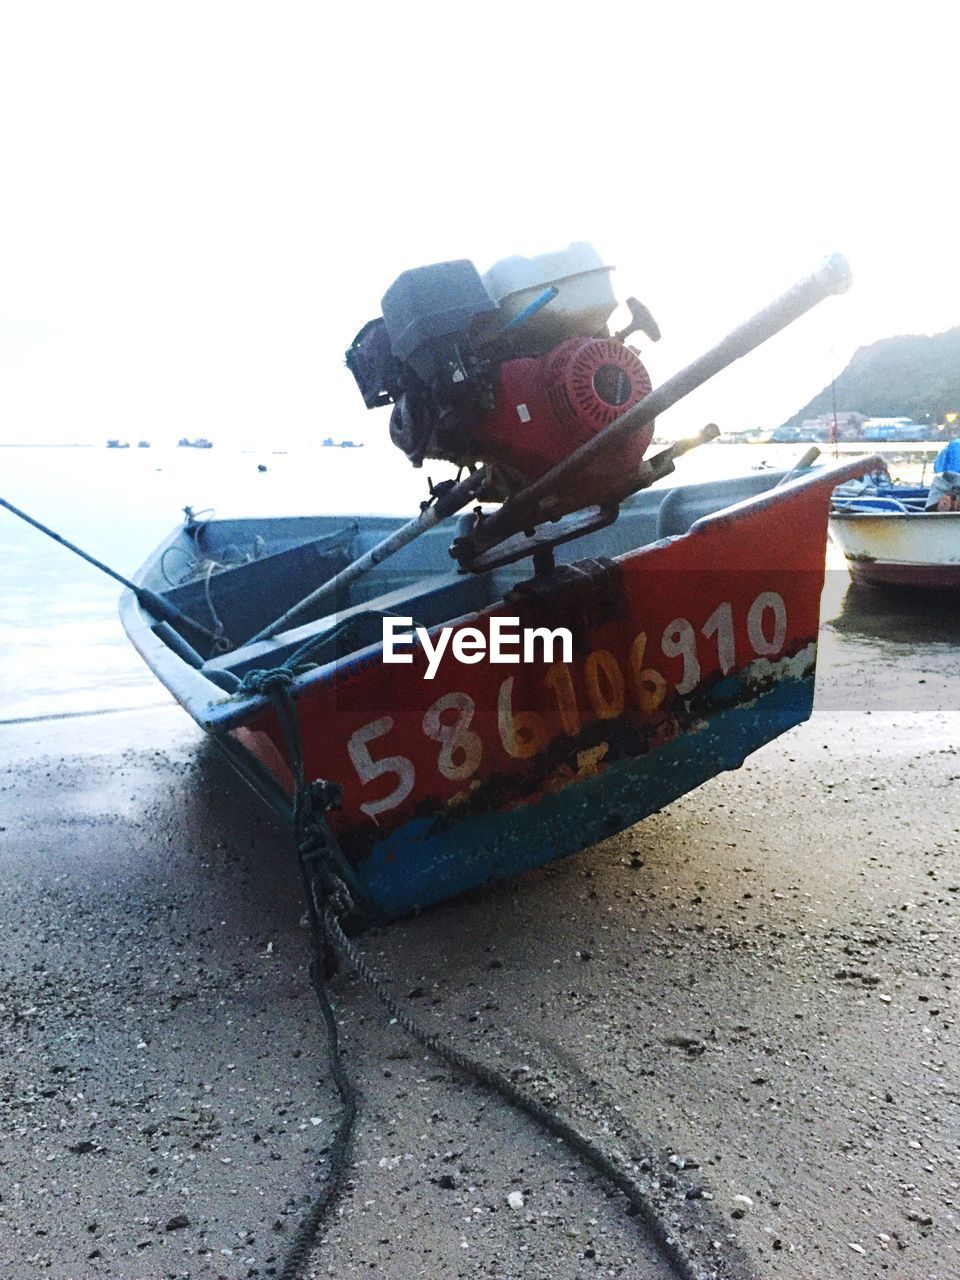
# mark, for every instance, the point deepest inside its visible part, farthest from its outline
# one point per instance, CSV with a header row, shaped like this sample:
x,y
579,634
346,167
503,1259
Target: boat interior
x,y
235,577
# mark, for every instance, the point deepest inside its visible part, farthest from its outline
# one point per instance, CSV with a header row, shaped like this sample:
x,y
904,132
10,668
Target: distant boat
x,y
330,443
201,442
118,444
143,444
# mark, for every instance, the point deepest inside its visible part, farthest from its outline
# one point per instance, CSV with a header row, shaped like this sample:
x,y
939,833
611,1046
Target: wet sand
x,y
761,981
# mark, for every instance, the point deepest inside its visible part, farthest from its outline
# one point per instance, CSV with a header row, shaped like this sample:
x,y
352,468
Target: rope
x,y
499,1084
314,850
309,655
221,643
203,568
329,899
198,565
306,1233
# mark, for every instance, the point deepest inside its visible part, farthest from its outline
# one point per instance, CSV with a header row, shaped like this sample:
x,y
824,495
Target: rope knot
x,y
311,804
322,794
336,894
316,844
267,682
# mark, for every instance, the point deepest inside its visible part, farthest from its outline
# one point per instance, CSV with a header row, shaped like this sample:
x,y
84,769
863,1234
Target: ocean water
x,y
63,648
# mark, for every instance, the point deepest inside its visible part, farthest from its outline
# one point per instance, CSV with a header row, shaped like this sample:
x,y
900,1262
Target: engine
x,y
514,369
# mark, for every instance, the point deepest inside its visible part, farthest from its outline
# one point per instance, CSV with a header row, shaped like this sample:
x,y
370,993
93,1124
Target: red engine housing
x,y
545,408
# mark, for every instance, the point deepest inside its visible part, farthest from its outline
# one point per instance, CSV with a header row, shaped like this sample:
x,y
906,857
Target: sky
x,y
200,204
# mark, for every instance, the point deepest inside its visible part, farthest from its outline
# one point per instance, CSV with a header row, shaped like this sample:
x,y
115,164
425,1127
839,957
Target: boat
x,y
894,535
201,442
677,627
143,444
118,444
697,611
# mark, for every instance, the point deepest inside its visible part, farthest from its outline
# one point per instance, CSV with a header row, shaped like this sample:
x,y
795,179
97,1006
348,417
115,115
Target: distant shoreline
x,y
23,444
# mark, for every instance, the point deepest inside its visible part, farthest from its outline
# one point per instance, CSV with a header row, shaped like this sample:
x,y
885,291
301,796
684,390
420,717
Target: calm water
x,y
62,644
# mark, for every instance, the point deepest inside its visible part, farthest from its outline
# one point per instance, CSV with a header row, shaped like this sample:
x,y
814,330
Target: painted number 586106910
x,y
609,686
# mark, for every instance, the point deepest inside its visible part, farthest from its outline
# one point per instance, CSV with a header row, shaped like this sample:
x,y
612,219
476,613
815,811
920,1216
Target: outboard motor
x,y
514,369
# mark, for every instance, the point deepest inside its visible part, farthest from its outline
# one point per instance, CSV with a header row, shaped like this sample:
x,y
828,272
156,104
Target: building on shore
x,y
850,425
847,424
898,429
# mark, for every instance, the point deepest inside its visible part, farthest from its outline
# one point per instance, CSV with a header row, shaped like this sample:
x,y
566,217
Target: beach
x,y
753,991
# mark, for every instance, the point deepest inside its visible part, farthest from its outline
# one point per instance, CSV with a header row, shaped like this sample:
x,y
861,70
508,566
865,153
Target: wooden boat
x,y
890,539
694,618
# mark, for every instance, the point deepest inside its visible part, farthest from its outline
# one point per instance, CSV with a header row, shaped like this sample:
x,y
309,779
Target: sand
x,y
760,982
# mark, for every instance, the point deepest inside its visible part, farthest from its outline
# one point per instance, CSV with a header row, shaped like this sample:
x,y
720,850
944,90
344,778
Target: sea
x,y
63,649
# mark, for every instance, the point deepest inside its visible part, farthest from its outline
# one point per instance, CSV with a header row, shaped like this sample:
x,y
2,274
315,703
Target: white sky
x,y
201,203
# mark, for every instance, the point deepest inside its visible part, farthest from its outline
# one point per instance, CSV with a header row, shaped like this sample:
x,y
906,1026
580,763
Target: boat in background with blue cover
x,y
899,536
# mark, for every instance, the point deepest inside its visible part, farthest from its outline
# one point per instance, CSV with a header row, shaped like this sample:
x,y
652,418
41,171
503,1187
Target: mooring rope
x,y
329,900
500,1084
306,1233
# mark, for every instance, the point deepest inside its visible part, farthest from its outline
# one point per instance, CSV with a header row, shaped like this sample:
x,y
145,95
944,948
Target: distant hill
x,y
917,376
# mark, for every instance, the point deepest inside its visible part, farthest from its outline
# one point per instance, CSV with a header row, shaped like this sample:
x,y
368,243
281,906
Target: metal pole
x,y
153,603
808,459
538,501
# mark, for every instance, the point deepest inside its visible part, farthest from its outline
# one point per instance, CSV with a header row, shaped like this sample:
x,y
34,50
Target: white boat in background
x,y
889,538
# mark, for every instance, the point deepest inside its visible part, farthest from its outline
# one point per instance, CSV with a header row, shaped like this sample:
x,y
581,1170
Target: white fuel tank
x,y
583,305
